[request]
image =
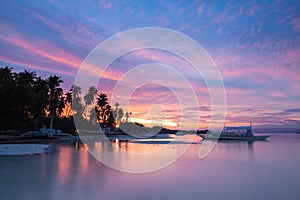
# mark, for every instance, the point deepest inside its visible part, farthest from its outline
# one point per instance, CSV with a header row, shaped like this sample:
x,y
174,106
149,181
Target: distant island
x,y
276,130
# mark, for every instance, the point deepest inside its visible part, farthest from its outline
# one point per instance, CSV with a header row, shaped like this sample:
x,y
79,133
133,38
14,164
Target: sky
x,y
254,44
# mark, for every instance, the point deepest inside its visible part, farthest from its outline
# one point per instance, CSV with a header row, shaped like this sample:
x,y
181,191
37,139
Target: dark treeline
x,y
28,102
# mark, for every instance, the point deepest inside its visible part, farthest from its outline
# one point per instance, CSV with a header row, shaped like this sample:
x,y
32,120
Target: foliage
x,y
28,102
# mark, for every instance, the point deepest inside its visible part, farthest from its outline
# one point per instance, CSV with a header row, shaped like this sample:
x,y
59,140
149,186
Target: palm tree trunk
x,y
51,122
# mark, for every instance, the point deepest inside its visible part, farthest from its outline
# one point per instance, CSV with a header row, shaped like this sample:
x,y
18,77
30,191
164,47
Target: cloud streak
x,y
255,45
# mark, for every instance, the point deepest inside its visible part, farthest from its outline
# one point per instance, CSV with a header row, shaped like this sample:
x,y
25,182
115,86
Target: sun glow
x,y
151,123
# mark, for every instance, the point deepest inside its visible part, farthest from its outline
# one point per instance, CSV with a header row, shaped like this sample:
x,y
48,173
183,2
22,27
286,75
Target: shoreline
x,y
4,139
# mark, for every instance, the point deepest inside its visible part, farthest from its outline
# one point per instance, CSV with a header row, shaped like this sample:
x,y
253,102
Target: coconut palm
x,y
41,99
127,116
61,105
90,96
55,93
77,106
110,120
101,107
76,91
25,96
8,103
120,115
28,76
68,104
89,100
117,106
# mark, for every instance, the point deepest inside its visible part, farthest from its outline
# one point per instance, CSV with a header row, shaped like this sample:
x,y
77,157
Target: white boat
x,y
234,133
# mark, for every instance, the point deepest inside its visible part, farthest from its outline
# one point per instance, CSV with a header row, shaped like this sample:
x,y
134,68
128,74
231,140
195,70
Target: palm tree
x,y
101,107
55,94
89,100
117,106
120,115
77,106
8,103
76,91
89,97
68,104
102,101
116,112
110,120
41,99
29,76
25,95
53,83
61,106
108,111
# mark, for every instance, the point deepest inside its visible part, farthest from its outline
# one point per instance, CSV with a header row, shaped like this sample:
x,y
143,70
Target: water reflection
x,y
64,164
137,155
239,170
241,150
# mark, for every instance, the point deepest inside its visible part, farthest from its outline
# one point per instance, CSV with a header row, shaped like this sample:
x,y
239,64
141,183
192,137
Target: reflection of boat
x,y
234,133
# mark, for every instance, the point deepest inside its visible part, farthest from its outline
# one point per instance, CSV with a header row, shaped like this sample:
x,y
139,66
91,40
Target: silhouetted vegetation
x,y
28,102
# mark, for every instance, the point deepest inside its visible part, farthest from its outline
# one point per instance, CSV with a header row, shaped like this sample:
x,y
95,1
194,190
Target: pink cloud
x,y
253,9
228,15
43,49
160,57
200,8
237,65
279,73
33,64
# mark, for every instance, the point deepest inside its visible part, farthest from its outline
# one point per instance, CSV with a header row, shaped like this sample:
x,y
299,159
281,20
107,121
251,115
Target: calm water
x,y
233,170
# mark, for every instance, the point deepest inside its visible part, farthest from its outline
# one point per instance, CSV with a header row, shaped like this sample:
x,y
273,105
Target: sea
x,y
232,170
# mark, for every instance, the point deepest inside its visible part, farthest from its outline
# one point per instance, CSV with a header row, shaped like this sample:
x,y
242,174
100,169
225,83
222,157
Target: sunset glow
x,y
256,47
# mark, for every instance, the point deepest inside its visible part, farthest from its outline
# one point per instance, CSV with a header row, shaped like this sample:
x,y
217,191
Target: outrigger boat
x,y
234,133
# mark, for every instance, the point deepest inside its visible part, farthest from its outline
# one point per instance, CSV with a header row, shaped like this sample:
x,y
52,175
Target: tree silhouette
x,y
77,106
8,102
55,96
26,100
90,96
117,106
126,117
110,120
120,115
89,100
101,108
25,95
68,104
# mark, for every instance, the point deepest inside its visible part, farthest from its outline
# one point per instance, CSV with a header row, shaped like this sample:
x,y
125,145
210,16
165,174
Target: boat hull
x,y
239,138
